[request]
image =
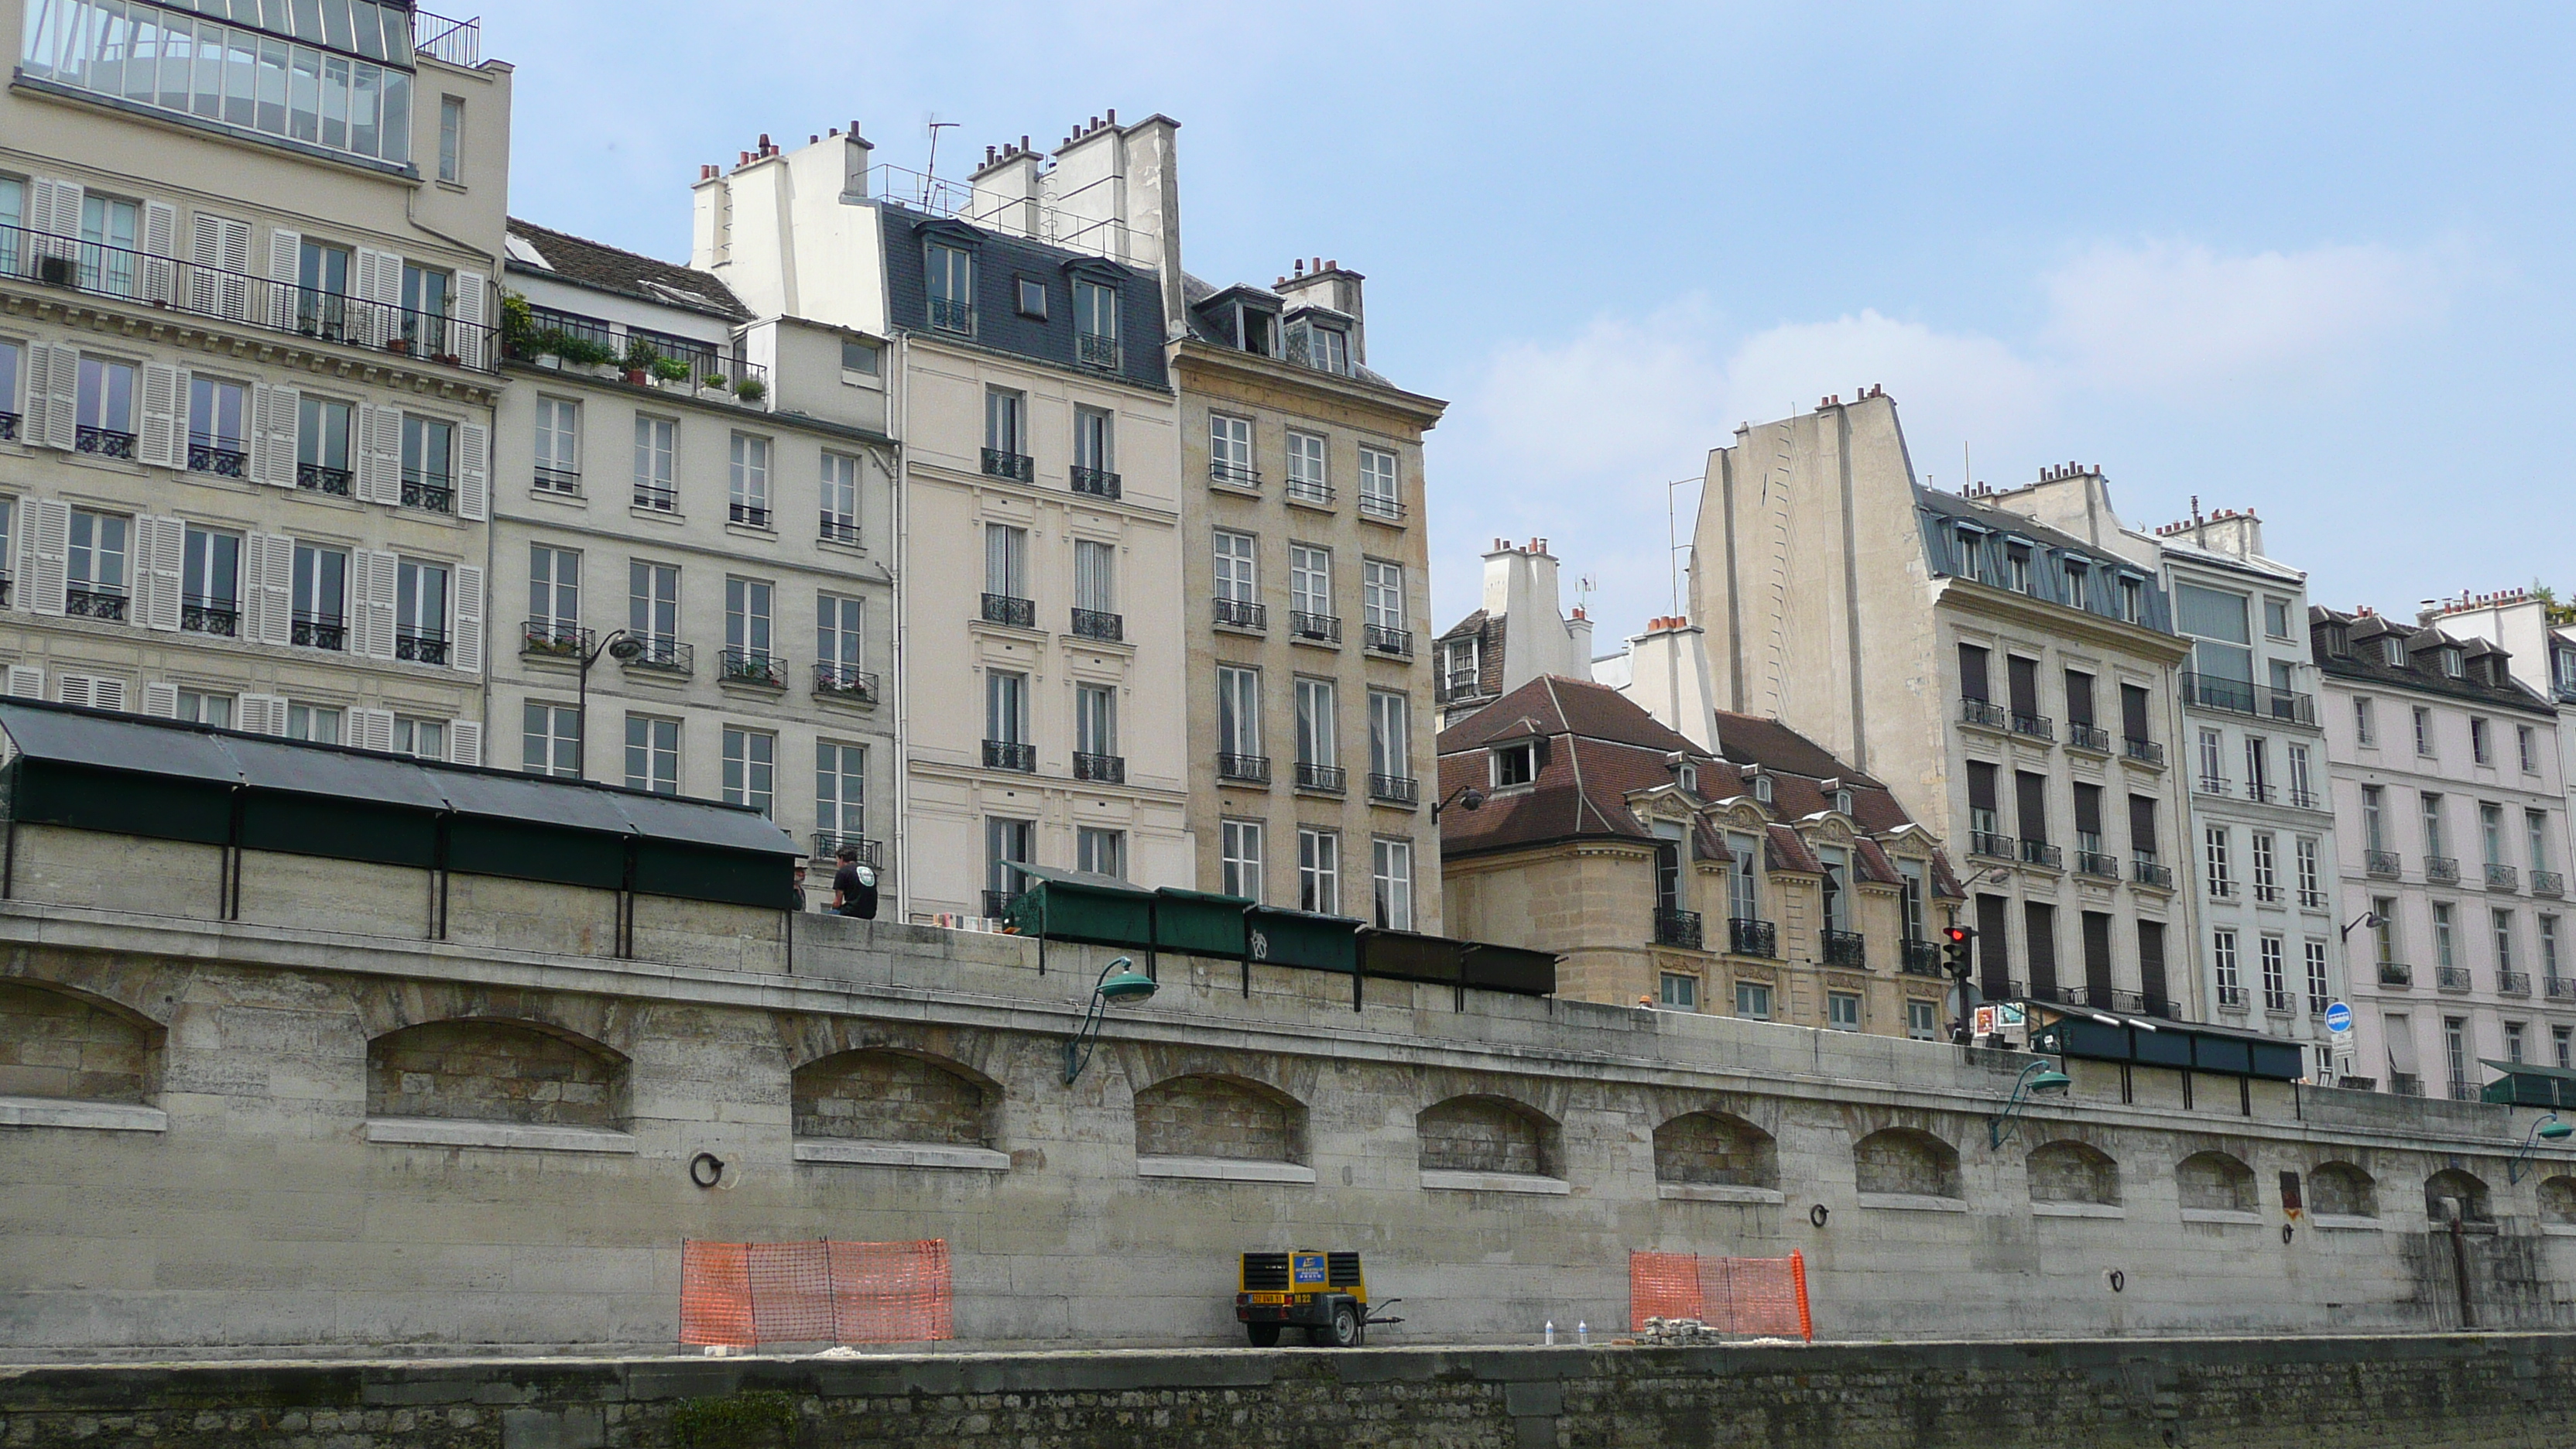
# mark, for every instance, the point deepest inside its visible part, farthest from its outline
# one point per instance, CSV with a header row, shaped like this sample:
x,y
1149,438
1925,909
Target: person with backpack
x,y
854,887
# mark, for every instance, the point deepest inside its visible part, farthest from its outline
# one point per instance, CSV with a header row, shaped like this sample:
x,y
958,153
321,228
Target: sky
x,y
2310,260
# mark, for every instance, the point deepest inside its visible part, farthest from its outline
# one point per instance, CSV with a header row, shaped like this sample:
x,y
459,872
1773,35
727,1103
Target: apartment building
x,y
2537,631
2261,840
2447,776
1516,634
2011,682
1038,691
247,368
1763,878
681,520
1308,573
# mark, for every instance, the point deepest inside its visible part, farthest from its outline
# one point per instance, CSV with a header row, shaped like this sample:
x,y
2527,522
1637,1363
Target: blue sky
x,y
2306,259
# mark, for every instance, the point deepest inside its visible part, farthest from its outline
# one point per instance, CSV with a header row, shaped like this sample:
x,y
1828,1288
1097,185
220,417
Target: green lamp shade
x,y
1128,986
2556,1131
2050,1082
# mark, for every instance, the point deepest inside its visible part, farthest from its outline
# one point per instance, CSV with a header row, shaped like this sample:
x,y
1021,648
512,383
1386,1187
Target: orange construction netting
x,y
746,1294
1765,1297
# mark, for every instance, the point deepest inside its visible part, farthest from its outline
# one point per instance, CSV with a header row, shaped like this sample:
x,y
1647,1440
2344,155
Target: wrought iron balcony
x,y
657,497
1010,755
2262,792
2267,894
1844,948
2451,978
1678,928
838,529
420,646
553,639
2304,800
556,480
1918,958
845,682
1004,609
1460,684
2147,872
751,666
2502,877
997,904
2277,1001
749,515
2464,1091
1373,505
1395,789
1094,624
2560,988
2317,1005
828,843
105,442
9,427
1748,937
2231,998
318,631
2381,863
2396,973
1303,490
1097,482
2405,1084
1324,628
224,458
431,491
2236,696
2097,864
321,478
1983,713
219,617
1384,640
86,603
664,656
1093,349
2312,900
1991,845
2548,883
949,315
2034,726
1242,614
2086,737
2144,752
1103,769
1001,463
1244,769
2441,870
1239,475
2040,852
2221,888
2513,983
1321,777
2211,785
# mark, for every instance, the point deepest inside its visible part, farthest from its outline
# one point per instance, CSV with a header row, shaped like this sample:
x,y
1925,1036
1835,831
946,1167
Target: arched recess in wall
x,y
2452,1194
1907,1161
1716,1149
2341,1190
874,1094
491,1070
2215,1182
63,1045
1486,1134
2558,1201
2066,1171
1210,1115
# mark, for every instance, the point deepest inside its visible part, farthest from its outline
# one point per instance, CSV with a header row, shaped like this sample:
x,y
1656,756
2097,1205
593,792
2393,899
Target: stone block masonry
x,y
2431,1392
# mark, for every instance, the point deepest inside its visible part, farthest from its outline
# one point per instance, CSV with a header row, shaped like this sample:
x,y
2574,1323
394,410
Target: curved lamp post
x,y
2036,1078
1465,797
2547,1129
1127,985
619,645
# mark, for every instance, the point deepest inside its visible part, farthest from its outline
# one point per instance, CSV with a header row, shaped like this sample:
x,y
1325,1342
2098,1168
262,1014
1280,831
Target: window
x,y
1310,580
2442,953
2481,748
1238,712
322,445
420,611
2276,980
656,453
2311,884
1006,707
1230,450
747,624
1837,887
2562,1044
428,464
950,281
2258,768
1317,744
747,494
1095,449
108,230
319,724
2423,731
1237,578
2222,956
2513,1031
2276,618
1319,871
1679,992
1909,874
2363,729
322,289
2267,884
2374,831
1095,323
2501,922
2303,791
1390,735
421,738
2392,652
1006,563
2455,1045
1239,858
1006,843
1842,1010
2215,621
2017,567
2383,937
1460,672
1029,294
2549,947
1516,764
451,138
750,768
2451,663
558,445
1381,595
1095,720
320,590
106,408
198,707
97,564
2535,830
1753,1000
840,794
840,498
860,357
210,582
2433,825
1391,883
2222,883
550,739
653,605
1741,891
1102,852
839,641
2523,742
9,351
1330,350
218,427
554,595
1095,585
427,301
1922,1020
653,754
1307,482
2213,762
1381,491
2318,992
2079,584
2491,831
1006,423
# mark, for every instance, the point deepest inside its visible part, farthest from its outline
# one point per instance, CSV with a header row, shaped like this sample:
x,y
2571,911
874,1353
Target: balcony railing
x,y
1244,769
1991,845
751,666
2405,1084
2143,1004
170,285
2548,883
949,315
2396,973
1377,505
2451,978
1010,755
1004,609
1241,614
2267,894
1918,958
1460,684
2086,737
1983,713
2312,900
556,480
664,656
1324,628
2148,873
2277,1001
553,639
1301,490
9,426
2381,863
2560,988
2513,983
1001,463
1384,640
997,904
1095,624
846,682
828,843
2441,870
2144,752
1395,789
1321,777
836,528
1094,349
105,442
1747,937
1097,482
218,617
2097,864
2236,696
1678,928
419,646
2502,877
749,515
1103,769
224,458
428,490
2034,726
2464,1091
318,631
2222,889
1844,948
2262,792
2040,852
657,497
2304,800
2317,1004
2231,998
457,42
1238,474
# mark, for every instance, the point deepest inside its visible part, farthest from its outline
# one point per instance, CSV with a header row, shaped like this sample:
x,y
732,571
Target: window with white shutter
x,y
285,255
465,742
26,681
473,470
219,267
160,553
49,576
469,306
275,415
467,601
162,441
160,246
372,729
93,691
161,699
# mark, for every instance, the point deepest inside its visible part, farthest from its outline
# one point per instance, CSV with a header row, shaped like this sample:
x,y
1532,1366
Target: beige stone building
x,y
1307,583
247,368
1763,878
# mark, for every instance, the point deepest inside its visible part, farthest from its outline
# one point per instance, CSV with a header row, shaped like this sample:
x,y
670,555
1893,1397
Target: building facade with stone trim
x,y
1762,879
247,376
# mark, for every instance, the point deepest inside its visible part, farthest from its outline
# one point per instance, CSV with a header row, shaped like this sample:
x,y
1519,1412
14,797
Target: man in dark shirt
x,y
854,887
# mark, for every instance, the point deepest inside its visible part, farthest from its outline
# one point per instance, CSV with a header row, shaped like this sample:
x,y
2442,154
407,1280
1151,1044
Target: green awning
x,y
1283,937
1081,905
2113,1036
1199,923
2529,1084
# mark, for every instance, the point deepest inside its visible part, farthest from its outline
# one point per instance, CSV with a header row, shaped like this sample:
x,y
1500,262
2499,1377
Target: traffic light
x,y
1955,944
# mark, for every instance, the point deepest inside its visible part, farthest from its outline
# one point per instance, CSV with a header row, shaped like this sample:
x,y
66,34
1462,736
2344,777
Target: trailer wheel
x,y
1263,1335
1344,1330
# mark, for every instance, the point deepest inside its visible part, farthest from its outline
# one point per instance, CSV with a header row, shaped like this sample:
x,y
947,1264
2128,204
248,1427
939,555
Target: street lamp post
x,y
2036,1078
1128,984
2547,1129
619,645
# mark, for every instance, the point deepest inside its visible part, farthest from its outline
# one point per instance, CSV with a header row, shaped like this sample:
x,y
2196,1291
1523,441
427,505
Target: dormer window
x,y
2451,663
1032,298
2133,600
2017,567
2079,584
1686,775
1762,788
1516,764
1329,349
1458,671
2566,667
1842,802
950,281
2392,652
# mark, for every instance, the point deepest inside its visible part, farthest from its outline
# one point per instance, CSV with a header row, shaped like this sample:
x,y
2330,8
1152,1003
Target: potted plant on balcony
x,y
751,389
712,381
640,358
672,370
519,336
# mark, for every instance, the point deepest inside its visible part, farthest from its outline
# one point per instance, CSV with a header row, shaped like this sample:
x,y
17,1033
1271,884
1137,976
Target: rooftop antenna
x,y
1584,589
1673,537
930,174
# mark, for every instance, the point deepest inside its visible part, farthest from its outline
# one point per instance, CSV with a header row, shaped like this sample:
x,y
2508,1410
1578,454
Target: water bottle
x,y
1582,1331
1551,1332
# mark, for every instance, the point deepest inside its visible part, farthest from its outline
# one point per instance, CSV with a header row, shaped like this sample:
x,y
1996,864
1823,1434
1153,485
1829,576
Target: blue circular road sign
x,y
2338,1017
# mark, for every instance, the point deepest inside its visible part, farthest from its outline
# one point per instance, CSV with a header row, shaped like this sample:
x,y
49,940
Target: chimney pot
x,y
1332,266
1113,115
764,140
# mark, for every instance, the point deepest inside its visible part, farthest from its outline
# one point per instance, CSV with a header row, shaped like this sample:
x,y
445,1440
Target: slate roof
x,y
629,274
2346,647
1197,293
1002,261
